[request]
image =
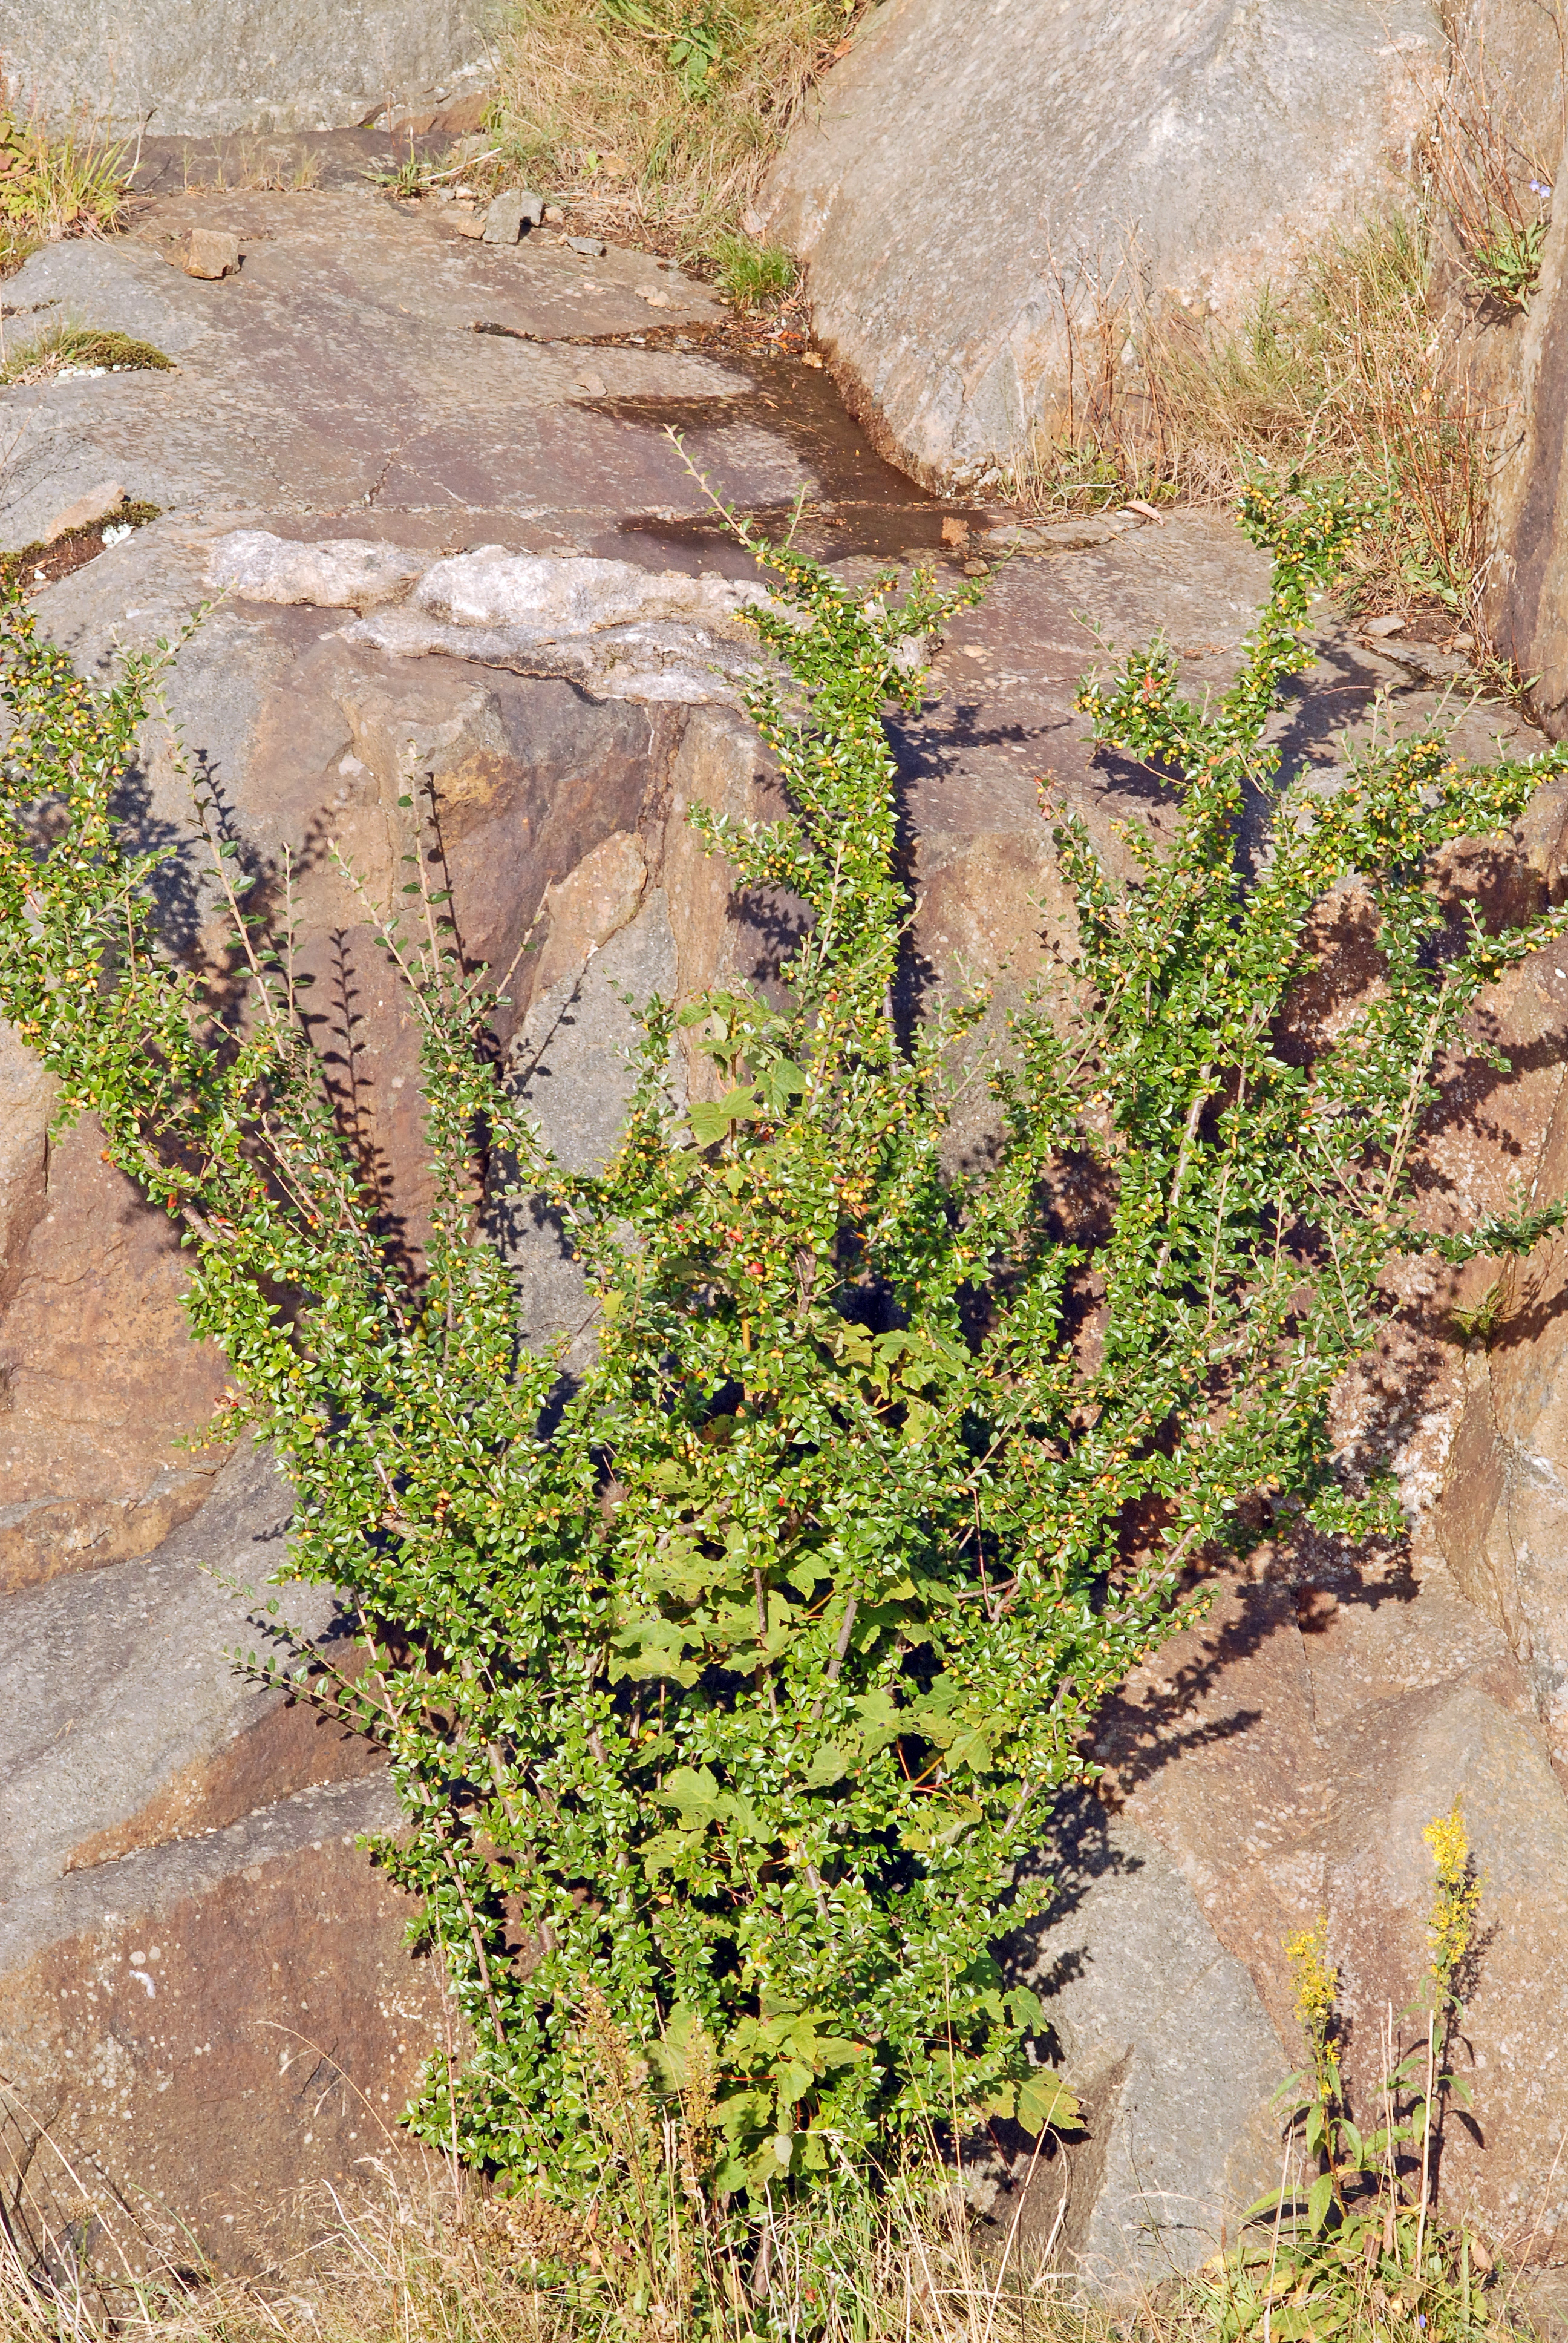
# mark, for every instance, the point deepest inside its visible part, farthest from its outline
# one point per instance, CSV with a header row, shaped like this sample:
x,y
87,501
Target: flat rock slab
x,y
238,64
339,371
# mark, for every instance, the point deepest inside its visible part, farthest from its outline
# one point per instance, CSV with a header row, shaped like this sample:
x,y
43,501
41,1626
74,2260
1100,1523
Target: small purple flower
x,y
1539,187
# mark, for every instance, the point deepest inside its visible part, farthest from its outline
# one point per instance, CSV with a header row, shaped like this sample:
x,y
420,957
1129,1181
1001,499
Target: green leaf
x,y
881,1721
665,1849
684,2047
1045,2102
712,1119
695,1794
649,1648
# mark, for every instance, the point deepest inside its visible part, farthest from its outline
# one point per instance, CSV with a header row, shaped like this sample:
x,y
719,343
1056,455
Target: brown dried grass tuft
x,y
55,184
1351,376
405,2261
656,115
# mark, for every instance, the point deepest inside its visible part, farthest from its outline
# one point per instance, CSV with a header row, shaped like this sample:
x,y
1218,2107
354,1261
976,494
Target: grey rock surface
x,y
336,573
1139,1990
504,217
572,1056
572,1067
212,66
212,2030
25,1096
1510,58
1127,154
1527,583
568,594
618,631
683,665
1287,1757
168,1895
340,373
138,1648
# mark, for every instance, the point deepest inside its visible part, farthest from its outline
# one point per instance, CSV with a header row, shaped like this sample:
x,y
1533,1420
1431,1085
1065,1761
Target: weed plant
x,y
1352,2240
60,349
1489,194
1506,262
725,1684
54,184
664,112
754,275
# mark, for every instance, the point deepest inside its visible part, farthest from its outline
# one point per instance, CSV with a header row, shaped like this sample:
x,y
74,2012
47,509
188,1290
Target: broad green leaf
x,y
695,1794
1044,2101
671,2055
1320,2198
712,1119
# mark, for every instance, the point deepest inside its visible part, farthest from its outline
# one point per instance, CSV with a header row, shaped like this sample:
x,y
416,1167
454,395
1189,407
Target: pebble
x,y
592,247
533,207
1394,624
468,223
504,220
593,384
211,252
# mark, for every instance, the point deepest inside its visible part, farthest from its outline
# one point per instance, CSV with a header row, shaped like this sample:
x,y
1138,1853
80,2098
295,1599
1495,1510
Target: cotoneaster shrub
x,y
725,1685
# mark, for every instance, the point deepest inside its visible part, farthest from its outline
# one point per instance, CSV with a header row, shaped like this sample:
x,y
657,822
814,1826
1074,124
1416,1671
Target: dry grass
x,y
420,2251
660,115
406,2258
1350,377
1489,188
55,184
252,166
418,2260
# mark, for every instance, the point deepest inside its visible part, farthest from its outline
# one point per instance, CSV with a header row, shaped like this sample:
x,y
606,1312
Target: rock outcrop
x,y
978,195
436,559
201,1978
1526,593
238,64
1279,1764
